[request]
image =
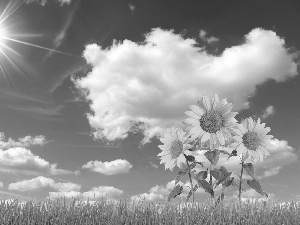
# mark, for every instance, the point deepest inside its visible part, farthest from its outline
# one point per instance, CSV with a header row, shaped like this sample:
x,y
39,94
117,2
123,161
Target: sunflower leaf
x,y
177,190
189,158
223,170
206,186
254,184
223,178
216,173
224,152
202,175
213,156
249,169
180,174
228,182
184,171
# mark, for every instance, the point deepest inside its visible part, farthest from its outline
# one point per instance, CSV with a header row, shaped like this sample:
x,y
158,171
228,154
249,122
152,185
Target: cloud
x,y
268,112
153,165
153,83
62,34
26,141
209,40
21,160
43,2
42,182
94,193
132,8
1,185
108,168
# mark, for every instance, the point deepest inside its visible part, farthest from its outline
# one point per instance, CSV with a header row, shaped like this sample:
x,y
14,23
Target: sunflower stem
x,y
241,180
192,188
210,178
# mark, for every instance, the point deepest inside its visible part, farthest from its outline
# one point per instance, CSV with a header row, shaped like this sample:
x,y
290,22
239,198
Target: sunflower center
x,y
251,140
176,148
211,122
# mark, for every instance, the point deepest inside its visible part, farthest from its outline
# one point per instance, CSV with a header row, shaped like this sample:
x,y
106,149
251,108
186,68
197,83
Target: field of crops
x,y
72,211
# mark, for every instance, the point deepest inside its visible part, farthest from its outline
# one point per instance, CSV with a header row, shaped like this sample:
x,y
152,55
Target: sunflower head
x,y
175,145
211,120
252,140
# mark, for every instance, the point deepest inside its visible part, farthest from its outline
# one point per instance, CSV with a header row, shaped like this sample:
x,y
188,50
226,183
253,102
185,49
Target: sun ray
x,y
38,46
8,37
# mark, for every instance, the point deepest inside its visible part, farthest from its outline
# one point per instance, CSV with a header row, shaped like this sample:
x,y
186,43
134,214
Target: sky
x,y
88,87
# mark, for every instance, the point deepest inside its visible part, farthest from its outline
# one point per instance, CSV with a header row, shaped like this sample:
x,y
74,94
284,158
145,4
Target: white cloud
x,y
26,141
108,168
268,112
148,197
1,184
43,2
94,193
22,161
153,165
42,182
209,40
154,82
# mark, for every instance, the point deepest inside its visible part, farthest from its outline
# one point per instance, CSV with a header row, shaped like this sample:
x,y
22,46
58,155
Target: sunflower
x,y
175,144
211,120
252,140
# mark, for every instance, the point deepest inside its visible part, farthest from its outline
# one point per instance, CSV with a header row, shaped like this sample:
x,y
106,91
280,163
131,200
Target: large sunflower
x,y
252,140
211,120
175,144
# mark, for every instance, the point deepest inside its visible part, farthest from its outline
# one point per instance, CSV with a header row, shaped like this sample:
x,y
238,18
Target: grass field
x,y
74,211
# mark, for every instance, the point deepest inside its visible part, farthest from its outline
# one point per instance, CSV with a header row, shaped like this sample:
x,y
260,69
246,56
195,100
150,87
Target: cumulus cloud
x,y
153,83
26,141
209,40
108,168
268,112
43,2
22,161
43,182
94,193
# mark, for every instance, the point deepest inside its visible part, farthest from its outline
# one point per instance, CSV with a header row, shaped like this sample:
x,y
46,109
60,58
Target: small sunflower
x,y
175,144
252,140
211,120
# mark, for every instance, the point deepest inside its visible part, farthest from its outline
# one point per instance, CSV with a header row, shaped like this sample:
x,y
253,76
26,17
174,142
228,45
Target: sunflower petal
x,y
192,114
206,103
197,110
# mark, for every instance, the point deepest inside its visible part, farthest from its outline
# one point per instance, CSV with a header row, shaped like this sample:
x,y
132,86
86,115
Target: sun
x,y
9,36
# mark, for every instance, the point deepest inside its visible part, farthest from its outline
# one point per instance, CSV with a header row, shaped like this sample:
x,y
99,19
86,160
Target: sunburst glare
x,y
8,36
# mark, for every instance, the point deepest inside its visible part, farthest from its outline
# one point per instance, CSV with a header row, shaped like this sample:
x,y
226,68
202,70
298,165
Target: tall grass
x,y
72,211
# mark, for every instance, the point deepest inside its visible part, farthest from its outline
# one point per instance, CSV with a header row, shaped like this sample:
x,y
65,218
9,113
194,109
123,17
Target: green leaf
x,y
224,152
223,170
249,169
228,182
184,171
213,156
200,163
223,178
190,193
177,190
206,186
216,173
189,158
180,174
256,186
202,175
